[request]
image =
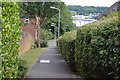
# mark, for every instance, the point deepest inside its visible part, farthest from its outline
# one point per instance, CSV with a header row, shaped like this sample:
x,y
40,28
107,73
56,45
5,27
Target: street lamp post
x,y
58,20
53,24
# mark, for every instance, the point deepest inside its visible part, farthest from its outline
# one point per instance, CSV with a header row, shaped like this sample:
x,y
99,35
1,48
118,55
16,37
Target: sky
x,y
106,3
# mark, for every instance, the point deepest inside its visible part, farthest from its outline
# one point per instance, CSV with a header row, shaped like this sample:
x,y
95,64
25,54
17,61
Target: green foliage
x,y
86,9
0,39
66,24
112,14
22,68
27,60
45,34
49,16
66,45
42,10
38,8
44,43
98,49
95,51
10,37
30,58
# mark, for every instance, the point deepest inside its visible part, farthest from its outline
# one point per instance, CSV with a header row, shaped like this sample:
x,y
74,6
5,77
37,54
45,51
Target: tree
x,y
65,19
41,11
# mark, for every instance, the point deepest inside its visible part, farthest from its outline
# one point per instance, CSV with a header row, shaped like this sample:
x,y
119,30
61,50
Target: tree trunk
x,y
38,30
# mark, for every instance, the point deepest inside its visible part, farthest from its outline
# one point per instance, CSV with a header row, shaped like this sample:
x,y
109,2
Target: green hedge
x,y
66,45
97,52
10,38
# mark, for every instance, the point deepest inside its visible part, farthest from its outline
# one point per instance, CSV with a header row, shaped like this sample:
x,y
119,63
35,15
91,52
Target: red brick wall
x,y
28,35
30,27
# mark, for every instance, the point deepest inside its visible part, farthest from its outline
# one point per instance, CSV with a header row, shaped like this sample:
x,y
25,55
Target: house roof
x,y
115,6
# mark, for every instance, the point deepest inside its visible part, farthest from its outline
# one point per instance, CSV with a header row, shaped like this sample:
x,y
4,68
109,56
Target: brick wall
x,y
26,42
28,35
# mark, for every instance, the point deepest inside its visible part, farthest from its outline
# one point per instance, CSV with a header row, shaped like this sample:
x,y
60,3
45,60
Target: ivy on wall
x,y
10,37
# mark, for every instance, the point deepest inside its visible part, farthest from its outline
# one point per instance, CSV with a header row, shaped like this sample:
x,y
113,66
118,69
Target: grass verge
x,y
31,56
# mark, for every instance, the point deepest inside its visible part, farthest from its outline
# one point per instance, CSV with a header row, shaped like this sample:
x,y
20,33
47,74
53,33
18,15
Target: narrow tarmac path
x,y
57,68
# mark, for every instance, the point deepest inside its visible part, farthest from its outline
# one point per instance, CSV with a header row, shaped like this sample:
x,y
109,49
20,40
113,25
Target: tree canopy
x,y
48,15
66,19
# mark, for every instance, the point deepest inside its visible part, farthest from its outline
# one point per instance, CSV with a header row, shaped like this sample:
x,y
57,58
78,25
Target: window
x,y
26,20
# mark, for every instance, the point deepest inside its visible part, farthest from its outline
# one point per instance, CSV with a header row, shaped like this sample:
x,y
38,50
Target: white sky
x,y
107,3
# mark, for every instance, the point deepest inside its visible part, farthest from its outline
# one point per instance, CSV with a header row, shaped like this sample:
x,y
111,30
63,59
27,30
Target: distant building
x,y
114,7
78,17
86,21
81,20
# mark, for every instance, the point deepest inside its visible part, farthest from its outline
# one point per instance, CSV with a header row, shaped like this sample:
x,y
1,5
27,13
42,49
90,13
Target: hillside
x,y
86,9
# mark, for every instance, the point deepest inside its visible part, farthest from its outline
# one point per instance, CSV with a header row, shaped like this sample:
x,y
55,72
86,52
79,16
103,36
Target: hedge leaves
x,y
96,49
10,38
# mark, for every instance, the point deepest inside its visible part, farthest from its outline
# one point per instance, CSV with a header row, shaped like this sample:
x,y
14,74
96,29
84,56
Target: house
x,y
29,33
114,7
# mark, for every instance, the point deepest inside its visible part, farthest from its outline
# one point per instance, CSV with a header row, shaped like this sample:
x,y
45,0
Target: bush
x,y
22,68
66,45
44,43
97,52
45,34
10,37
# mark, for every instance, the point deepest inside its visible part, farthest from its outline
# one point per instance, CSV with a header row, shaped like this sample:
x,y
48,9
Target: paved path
x,y
57,68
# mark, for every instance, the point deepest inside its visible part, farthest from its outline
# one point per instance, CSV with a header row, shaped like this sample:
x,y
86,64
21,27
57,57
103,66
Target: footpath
x,y
51,65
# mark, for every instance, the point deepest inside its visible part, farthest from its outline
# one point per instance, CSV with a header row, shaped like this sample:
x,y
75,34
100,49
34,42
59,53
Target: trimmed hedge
x,y
10,38
66,45
98,49
95,52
